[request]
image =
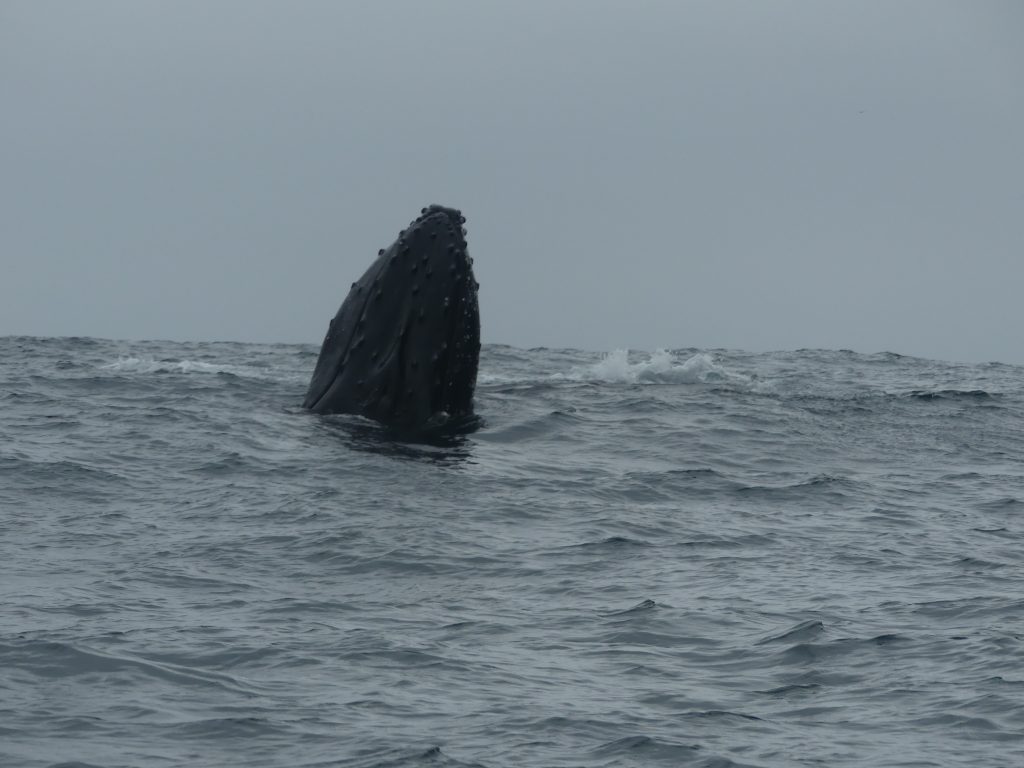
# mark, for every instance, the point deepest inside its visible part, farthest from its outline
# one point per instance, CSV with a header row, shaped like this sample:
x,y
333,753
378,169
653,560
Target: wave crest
x,y
660,367
146,364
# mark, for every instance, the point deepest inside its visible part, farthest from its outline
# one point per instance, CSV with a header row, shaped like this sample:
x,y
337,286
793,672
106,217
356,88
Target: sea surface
x,y
682,557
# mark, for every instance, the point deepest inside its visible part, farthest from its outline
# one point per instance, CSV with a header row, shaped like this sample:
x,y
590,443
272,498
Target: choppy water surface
x,y
685,558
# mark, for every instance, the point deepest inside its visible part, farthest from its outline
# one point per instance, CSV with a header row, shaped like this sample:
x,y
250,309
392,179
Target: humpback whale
x,y
404,347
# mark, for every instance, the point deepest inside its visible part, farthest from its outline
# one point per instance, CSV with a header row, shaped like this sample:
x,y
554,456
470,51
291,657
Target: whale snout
x,y
404,346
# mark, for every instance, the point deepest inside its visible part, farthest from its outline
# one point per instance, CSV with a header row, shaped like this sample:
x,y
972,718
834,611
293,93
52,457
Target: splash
x,y
660,367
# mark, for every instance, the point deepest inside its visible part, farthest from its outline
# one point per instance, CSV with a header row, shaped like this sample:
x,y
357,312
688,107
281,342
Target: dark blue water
x,y
809,558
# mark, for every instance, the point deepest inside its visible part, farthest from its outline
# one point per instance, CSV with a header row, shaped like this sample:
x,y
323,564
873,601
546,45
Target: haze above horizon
x,y
652,175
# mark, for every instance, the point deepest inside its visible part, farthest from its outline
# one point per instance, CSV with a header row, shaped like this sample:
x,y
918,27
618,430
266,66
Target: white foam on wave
x,y
148,364
615,367
496,379
660,367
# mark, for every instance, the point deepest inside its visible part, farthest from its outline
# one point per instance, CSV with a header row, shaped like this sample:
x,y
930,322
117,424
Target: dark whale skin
x,y
404,347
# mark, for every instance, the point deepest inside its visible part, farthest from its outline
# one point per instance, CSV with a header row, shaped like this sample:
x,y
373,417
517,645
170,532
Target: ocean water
x,y
687,557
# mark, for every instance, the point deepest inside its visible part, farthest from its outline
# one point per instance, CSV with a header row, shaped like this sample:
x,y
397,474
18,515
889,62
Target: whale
x,y
404,347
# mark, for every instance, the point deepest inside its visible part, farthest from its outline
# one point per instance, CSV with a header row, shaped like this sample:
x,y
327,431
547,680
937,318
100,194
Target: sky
x,y
643,173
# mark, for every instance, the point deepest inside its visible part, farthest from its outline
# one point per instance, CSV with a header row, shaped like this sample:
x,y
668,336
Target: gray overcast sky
x,y
756,175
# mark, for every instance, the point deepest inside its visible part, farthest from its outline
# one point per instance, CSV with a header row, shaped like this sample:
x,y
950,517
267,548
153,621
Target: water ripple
x,y
709,558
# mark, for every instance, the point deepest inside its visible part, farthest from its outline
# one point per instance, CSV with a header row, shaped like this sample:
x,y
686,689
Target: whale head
x,y
404,347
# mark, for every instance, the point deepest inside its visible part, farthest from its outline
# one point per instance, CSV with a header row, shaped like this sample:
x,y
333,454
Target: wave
x,y
660,367
642,747
147,364
950,394
615,367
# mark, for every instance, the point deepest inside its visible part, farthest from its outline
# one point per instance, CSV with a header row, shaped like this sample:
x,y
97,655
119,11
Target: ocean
x,y
682,557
